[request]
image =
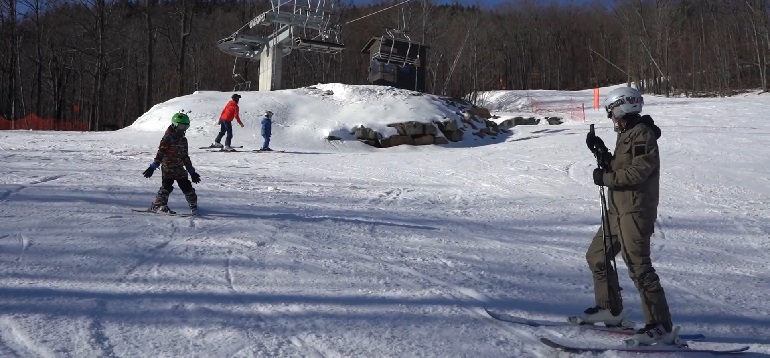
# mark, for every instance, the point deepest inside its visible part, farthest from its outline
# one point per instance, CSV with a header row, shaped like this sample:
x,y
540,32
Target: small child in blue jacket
x,y
267,130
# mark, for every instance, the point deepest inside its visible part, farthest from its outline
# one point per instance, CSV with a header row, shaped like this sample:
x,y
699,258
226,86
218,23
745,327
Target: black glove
x,y
599,177
148,173
600,150
605,161
590,139
195,177
596,144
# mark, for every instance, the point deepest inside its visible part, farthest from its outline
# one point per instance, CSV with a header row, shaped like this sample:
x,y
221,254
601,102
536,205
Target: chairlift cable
x,y
379,11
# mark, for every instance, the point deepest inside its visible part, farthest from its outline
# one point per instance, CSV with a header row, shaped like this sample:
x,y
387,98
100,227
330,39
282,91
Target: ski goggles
x,y
182,127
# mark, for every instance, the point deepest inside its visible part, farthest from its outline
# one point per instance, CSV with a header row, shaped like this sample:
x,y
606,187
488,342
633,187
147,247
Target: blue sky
x,y
486,3
496,2
466,2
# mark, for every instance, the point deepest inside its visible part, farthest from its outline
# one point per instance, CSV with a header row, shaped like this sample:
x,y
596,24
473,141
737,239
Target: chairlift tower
x,y
301,25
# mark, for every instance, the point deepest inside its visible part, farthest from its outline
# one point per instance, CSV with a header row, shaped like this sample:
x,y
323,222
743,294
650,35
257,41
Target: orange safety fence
x,y
574,111
32,121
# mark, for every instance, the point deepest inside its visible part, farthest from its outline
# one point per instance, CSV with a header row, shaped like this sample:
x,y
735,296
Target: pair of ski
x,y
173,213
248,151
575,348
218,149
222,149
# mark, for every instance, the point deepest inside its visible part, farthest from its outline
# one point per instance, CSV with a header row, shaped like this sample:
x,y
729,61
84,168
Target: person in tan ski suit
x,y
632,177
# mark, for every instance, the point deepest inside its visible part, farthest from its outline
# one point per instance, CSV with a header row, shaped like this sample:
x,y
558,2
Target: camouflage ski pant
x,y
630,236
167,187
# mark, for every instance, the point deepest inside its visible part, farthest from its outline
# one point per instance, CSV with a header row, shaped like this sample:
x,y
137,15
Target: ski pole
x,y
609,259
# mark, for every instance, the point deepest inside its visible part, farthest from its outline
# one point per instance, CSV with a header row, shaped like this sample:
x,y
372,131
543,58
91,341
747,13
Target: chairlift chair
x,y
396,60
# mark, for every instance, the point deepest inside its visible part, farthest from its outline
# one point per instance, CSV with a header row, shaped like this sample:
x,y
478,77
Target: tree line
x,y
109,61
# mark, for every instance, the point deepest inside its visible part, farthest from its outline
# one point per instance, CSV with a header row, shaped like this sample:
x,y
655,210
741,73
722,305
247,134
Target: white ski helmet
x,y
622,101
269,114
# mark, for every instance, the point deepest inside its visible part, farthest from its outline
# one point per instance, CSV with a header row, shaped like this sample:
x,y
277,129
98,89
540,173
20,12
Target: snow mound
x,y
304,117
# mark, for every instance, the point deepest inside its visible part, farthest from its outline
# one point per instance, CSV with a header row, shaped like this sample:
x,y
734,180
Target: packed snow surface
x,y
338,249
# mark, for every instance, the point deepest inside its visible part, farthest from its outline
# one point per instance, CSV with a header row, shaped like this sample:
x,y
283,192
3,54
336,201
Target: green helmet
x,y
180,118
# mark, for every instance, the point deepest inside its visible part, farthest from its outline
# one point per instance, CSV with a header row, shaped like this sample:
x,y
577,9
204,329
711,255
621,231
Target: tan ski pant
x,y
634,231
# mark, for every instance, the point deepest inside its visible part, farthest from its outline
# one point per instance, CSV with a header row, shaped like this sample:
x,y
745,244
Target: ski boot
x,y
656,333
597,314
216,145
192,201
161,209
228,148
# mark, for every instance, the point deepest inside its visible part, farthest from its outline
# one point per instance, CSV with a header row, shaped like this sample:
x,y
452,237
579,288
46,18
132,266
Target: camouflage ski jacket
x,y
172,154
634,180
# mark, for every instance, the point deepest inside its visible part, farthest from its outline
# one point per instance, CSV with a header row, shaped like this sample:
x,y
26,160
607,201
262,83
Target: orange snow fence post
x,y
596,99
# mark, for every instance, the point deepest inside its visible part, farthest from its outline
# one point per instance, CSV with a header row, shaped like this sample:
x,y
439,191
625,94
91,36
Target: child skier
x,y
267,130
172,155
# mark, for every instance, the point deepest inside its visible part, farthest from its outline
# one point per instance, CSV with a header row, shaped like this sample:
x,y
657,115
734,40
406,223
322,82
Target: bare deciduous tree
x,y
10,26
149,54
116,59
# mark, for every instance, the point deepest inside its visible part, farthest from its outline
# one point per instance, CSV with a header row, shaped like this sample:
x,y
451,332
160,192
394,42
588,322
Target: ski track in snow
x,y
573,175
25,243
156,250
19,342
98,337
228,271
446,290
139,262
449,290
306,349
7,194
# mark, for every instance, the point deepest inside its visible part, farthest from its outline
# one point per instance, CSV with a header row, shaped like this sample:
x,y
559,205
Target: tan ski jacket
x,y
634,180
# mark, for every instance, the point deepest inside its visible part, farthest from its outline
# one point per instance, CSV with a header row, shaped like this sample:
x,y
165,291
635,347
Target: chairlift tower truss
x,y
301,25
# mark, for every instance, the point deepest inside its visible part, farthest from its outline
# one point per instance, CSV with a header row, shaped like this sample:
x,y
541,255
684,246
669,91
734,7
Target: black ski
x,y
212,147
627,331
268,151
174,213
569,347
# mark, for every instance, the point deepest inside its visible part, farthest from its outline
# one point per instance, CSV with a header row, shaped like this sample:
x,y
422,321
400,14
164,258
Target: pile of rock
x,y
469,119
529,121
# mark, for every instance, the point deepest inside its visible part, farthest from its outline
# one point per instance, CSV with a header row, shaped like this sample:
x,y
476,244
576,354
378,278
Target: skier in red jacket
x,y
226,123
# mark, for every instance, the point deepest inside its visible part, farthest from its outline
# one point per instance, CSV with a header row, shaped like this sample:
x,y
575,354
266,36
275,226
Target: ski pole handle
x,y
599,150
591,136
